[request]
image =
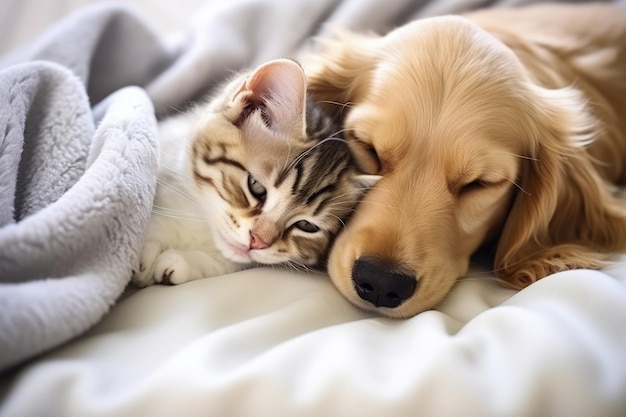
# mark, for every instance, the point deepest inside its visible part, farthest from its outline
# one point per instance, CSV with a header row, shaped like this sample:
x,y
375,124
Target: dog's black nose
x,y
381,285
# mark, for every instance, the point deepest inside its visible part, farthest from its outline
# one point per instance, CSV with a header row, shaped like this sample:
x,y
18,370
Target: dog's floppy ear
x,y
564,215
339,70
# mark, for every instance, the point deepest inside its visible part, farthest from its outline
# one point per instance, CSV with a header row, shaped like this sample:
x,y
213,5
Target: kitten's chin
x,y
236,253
237,257
232,250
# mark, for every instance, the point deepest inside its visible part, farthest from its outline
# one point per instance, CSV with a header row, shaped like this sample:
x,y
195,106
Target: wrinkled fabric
x,y
77,176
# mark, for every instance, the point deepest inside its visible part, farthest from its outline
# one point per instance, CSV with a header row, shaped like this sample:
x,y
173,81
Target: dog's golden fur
x,y
503,126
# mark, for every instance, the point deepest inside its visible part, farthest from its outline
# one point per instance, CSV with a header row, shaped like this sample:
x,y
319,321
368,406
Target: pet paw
x,y
172,268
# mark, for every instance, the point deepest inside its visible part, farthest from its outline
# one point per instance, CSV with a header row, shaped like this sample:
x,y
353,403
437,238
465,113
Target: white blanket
x,y
271,342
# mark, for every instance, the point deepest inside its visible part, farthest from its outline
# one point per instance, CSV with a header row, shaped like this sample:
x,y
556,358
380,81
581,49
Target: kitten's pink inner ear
x,y
280,85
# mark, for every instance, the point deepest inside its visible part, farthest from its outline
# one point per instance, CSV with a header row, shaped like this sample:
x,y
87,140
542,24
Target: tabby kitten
x,y
254,176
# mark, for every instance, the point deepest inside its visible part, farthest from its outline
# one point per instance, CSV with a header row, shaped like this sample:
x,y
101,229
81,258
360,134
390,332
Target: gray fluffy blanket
x,y
78,148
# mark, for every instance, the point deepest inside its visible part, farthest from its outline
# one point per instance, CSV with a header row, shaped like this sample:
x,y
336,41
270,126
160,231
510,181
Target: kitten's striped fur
x,y
258,175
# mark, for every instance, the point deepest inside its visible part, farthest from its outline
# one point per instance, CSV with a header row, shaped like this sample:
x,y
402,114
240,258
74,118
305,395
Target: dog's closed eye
x,y
471,187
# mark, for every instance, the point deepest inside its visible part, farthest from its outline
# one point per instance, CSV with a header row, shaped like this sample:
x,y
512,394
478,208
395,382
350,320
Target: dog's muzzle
x,y
381,285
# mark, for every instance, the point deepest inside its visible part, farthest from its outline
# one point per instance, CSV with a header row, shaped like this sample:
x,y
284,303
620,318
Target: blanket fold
x,y
74,199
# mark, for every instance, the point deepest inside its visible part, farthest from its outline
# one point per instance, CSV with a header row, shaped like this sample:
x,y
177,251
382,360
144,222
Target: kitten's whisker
x,y
298,266
338,103
176,109
348,199
179,217
175,211
343,224
181,193
299,158
175,173
220,206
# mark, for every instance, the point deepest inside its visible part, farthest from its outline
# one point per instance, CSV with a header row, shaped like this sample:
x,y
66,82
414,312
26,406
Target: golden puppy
x,y
502,126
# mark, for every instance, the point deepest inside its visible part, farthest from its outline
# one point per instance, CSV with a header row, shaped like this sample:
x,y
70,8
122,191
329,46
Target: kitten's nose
x,y
381,285
256,242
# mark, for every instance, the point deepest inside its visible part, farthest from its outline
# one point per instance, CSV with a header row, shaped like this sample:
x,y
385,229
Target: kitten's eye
x,y
256,189
306,226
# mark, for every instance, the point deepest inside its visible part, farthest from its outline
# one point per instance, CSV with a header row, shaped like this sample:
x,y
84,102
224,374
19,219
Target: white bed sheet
x,y
267,342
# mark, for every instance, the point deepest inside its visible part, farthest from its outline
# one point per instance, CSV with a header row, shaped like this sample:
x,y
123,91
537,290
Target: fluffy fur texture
x,y
501,128
256,175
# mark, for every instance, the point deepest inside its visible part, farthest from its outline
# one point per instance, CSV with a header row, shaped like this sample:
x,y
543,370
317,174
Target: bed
x,y
79,102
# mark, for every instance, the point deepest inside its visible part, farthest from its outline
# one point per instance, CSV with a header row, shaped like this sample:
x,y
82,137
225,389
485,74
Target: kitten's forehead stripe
x,y
201,178
211,157
223,160
320,176
324,190
322,205
296,182
224,147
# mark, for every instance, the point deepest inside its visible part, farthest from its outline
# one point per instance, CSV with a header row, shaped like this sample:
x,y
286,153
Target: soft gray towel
x,y
75,192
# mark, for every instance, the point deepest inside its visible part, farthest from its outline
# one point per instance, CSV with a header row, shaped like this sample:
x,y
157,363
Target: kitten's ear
x,y
278,89
365,182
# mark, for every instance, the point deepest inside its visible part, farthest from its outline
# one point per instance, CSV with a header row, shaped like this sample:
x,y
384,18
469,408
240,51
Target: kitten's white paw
x,y
172,268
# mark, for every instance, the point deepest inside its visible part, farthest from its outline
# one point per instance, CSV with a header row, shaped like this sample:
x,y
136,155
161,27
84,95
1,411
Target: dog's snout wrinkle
x,y
381,284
